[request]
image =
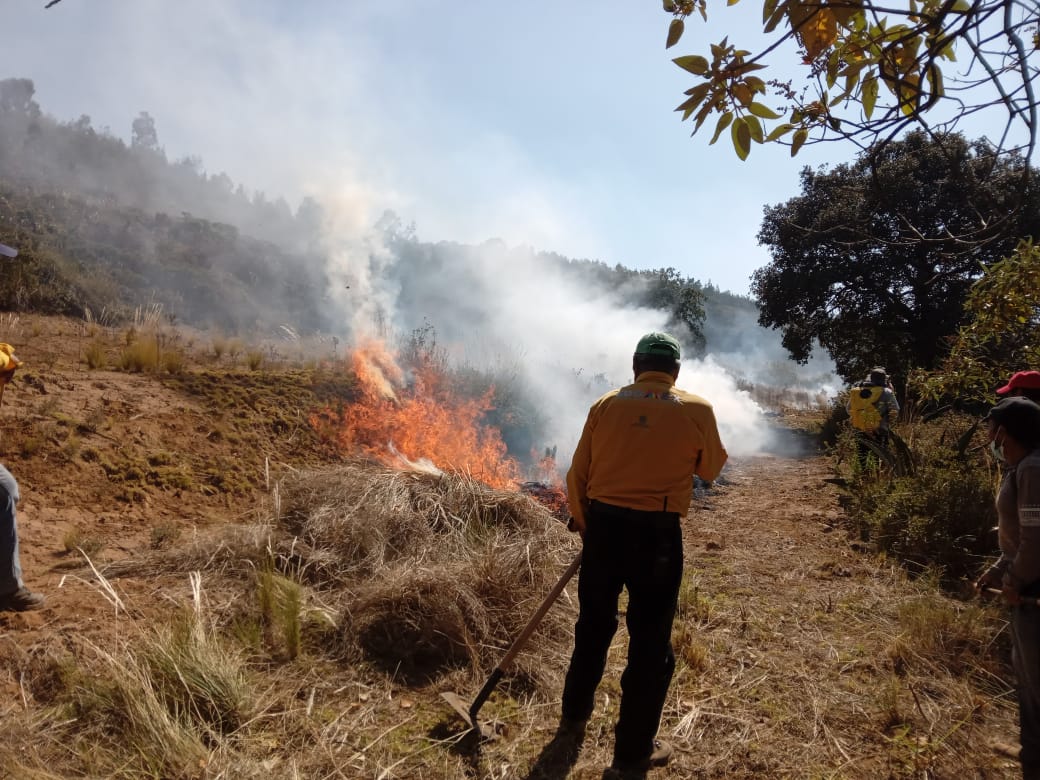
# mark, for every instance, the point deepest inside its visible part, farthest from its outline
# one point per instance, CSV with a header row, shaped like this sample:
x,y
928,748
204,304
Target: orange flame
x,y
422,422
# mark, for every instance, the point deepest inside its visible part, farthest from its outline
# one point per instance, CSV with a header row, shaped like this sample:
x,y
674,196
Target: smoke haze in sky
x,y
472,124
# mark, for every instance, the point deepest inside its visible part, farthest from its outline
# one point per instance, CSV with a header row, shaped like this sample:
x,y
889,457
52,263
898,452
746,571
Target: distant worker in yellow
x,y
629,486
872,405
14,596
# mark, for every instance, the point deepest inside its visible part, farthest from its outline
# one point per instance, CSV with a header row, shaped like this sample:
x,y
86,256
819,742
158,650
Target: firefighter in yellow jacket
x,y
629,486
872,405
14,596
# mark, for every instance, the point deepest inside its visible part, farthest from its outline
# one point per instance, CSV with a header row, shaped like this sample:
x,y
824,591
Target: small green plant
x,y
219,345
889,704
692,606
255,359
281,601
199,674
94,355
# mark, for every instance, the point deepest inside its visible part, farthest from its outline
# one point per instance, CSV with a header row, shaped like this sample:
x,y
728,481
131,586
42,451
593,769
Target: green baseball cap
x,y
661,344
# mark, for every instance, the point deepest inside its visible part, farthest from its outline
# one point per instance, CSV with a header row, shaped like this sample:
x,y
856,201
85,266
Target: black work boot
x,y
637,771
22,600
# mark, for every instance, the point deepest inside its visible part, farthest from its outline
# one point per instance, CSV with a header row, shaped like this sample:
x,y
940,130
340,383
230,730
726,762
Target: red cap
x,y
1023,380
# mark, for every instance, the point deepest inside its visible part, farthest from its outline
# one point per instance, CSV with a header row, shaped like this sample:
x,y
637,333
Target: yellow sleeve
x,y
713,457
578,473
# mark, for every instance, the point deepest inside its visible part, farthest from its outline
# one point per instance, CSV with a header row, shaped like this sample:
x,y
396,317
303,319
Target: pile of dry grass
x,y
429,573
438,572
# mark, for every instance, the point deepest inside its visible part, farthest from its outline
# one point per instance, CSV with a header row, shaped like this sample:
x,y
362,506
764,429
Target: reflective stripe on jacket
x,y
641,446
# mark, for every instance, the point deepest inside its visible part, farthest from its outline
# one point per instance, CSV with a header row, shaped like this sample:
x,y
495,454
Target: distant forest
x,y
103,224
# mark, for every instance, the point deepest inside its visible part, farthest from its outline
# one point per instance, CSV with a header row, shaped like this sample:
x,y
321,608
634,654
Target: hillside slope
x,y
801,654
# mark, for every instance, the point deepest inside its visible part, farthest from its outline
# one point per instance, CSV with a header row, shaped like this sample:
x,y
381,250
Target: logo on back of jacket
x,y
634,394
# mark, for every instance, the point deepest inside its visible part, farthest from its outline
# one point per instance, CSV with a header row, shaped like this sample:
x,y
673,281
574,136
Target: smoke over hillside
x,y
553,331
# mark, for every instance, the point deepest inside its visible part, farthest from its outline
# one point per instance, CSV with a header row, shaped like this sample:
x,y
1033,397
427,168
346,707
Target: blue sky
x,y
541,123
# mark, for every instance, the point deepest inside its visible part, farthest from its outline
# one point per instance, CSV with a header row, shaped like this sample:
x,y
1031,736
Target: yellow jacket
x,y
8,362
641,446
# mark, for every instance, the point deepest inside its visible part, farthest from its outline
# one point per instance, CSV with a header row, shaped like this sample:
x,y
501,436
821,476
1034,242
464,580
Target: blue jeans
x,y
10,570
629,551
1025,657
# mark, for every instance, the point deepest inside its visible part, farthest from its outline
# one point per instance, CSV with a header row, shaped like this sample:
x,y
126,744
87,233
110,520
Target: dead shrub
x,y
443,571
417,623
94,355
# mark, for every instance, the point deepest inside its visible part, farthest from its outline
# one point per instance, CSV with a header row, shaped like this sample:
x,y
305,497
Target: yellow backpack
x,y
863,407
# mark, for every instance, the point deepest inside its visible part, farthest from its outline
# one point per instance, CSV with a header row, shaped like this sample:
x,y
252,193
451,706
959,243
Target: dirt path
x,y
812,663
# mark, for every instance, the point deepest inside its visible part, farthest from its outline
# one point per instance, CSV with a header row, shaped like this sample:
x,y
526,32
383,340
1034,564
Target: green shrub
x,y
939,517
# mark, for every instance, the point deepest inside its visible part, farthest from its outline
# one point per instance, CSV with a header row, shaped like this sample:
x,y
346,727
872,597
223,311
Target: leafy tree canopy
x,y
1001,334
869,259
871,70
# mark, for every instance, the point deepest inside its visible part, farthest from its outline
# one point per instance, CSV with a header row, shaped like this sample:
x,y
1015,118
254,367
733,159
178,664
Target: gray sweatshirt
x,y
1018,510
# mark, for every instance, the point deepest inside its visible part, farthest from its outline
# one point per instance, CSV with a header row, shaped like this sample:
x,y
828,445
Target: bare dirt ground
x,y
802,654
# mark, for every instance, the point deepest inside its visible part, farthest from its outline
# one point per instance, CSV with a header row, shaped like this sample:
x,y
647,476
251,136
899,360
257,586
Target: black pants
x,y
1025,657
640,551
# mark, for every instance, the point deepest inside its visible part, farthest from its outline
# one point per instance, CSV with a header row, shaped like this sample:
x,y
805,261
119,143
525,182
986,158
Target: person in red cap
x,y
1025,384
1013,431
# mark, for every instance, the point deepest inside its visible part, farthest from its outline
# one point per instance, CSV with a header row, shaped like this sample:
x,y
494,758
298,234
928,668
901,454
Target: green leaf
x,y
935,80
732,2
697,94
851,78
741,136
779,131
675,31
694,63
755,129
778,16
768,9
869,94
703,114
669,6
723,123
755,83
799,138
763,111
